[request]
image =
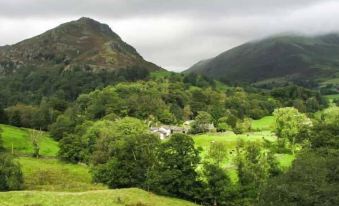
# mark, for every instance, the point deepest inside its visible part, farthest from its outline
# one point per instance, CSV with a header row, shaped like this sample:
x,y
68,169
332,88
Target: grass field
x,y
19,138
332,96
121,197
265,123
54,175
230,140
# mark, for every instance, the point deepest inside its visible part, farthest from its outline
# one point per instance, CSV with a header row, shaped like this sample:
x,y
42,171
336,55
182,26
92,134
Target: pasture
x,y
54,175
119,197
20,141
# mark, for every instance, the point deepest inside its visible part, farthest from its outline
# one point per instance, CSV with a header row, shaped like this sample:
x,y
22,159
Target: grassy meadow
x,y
120,197
54,175
19,139
263,130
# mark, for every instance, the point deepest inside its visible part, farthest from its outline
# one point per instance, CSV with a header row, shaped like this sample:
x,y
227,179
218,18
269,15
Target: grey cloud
x,y
132,8
174,33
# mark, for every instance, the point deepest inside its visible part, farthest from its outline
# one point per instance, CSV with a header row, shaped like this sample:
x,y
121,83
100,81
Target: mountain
x,y
73,58
84,43
284,57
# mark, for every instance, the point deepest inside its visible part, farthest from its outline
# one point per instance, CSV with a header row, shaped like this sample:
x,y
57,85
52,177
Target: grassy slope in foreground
x,y
54,175
131,197
19,138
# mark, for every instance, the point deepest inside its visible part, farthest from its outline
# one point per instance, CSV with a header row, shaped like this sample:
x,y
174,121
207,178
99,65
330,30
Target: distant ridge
x,y
285,57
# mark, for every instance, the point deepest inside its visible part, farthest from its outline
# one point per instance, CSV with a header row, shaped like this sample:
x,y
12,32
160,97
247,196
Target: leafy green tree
x,y
10,174
218,185
289,123
254,167
175,174
312,180
64,124
73,149
223,125
217,152
124,155
202,122
35,137
243,126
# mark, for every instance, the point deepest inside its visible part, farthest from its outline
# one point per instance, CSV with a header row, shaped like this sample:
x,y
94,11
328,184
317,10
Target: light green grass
x,y
19,139
265,123
160,74
332,96
230,139
121,197
54,175
285,160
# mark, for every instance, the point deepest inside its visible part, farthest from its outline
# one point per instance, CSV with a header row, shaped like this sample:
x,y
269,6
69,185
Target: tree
x,y
10,174
132,163
243,126
218,184
312,180
289,123
217,152
64,124
35,137
223,124
202,122
175,174
254,167
124,155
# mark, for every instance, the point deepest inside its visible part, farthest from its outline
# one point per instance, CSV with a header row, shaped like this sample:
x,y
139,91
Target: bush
x,y
10,174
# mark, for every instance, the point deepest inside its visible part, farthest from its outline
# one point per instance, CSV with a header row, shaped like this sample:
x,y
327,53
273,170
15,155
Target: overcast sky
x,y
174,33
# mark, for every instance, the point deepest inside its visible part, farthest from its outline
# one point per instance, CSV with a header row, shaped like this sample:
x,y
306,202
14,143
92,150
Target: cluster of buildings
x,y
164,131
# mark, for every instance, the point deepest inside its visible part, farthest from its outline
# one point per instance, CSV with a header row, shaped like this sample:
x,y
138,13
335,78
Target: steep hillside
x,y
71,59
84,43
288,57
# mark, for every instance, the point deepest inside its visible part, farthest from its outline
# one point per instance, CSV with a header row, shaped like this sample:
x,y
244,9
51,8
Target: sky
x,y
174,34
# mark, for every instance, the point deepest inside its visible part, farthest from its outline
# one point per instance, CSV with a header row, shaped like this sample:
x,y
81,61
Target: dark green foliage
x,y
3,116
218,185
255,166
305,100
312,180
124,154
73,149
241,104
131,164
175,173
10,174
201,123
31,85
64,124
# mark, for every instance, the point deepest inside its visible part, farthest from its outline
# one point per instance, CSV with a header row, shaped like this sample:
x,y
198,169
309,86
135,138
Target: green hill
x,y
73,58
121,197
278,58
